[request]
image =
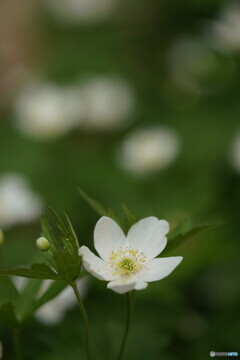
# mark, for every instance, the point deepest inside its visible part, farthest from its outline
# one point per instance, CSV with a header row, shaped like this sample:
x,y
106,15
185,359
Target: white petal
x,y
94,264
140,285
158,269
148,236
121,287
108,236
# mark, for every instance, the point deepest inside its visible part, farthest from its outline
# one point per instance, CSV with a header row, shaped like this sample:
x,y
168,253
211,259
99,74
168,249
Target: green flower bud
x,y
1,237
43,244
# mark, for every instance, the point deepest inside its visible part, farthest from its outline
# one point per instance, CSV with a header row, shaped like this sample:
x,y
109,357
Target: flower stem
x,y
16,343
85,319
124,340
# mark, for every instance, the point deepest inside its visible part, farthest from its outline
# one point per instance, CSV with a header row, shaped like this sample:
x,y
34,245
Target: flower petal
x,y
140,285
120,286
158,269
94,264
108,236
148,236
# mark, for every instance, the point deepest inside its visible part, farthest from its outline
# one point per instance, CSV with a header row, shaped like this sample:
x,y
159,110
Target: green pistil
x,y
127,265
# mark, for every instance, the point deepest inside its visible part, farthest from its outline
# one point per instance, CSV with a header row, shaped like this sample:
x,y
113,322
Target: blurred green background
x,y
196,309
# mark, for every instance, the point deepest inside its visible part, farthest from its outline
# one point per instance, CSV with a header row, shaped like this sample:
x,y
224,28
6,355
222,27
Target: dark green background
x,y
196,309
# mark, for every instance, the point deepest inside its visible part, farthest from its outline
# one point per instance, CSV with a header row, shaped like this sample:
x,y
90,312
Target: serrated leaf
x,y
59,222
72,235
68,267
36,271
182,238
48,233
98,207
8,316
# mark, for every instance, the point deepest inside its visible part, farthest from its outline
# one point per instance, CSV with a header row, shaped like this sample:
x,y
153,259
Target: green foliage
x,y
36,271
127,219
47,232
8,291
190,234
67,266
62,255
99,208
16,308
8,316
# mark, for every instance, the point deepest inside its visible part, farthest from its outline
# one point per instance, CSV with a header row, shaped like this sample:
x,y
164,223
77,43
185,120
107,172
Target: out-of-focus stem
x,y
16,343
85,319
128,317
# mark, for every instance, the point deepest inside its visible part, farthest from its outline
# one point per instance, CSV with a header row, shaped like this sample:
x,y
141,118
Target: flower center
x,y
127,265
126,261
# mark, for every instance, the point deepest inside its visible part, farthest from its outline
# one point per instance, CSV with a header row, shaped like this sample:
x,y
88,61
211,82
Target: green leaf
x,y
129,216
25,305
8,316
59,222
68,267
99,208
8,291
47,232
181,238
36,271
72,235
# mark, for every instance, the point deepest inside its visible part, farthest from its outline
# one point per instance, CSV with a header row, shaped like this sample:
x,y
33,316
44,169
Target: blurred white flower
x,y
45,111
53,311
128,262
234,156
108,104
225,31
18,203
148,150
19,282
76,11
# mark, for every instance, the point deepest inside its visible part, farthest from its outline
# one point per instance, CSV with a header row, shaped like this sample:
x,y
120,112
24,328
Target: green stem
x,y
16,343
120,355
85,319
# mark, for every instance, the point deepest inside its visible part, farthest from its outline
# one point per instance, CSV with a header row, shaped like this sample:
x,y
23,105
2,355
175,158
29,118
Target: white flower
x,y
128,262
149,150
234,156
74,11
53,311
226,31
46,111
108,104
18,203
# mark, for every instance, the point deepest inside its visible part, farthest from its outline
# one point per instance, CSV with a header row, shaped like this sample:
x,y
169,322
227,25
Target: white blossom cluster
x,y
46,111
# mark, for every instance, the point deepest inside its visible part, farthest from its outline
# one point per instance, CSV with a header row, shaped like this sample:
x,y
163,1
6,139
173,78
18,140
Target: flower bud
x,y
43,244
1,237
